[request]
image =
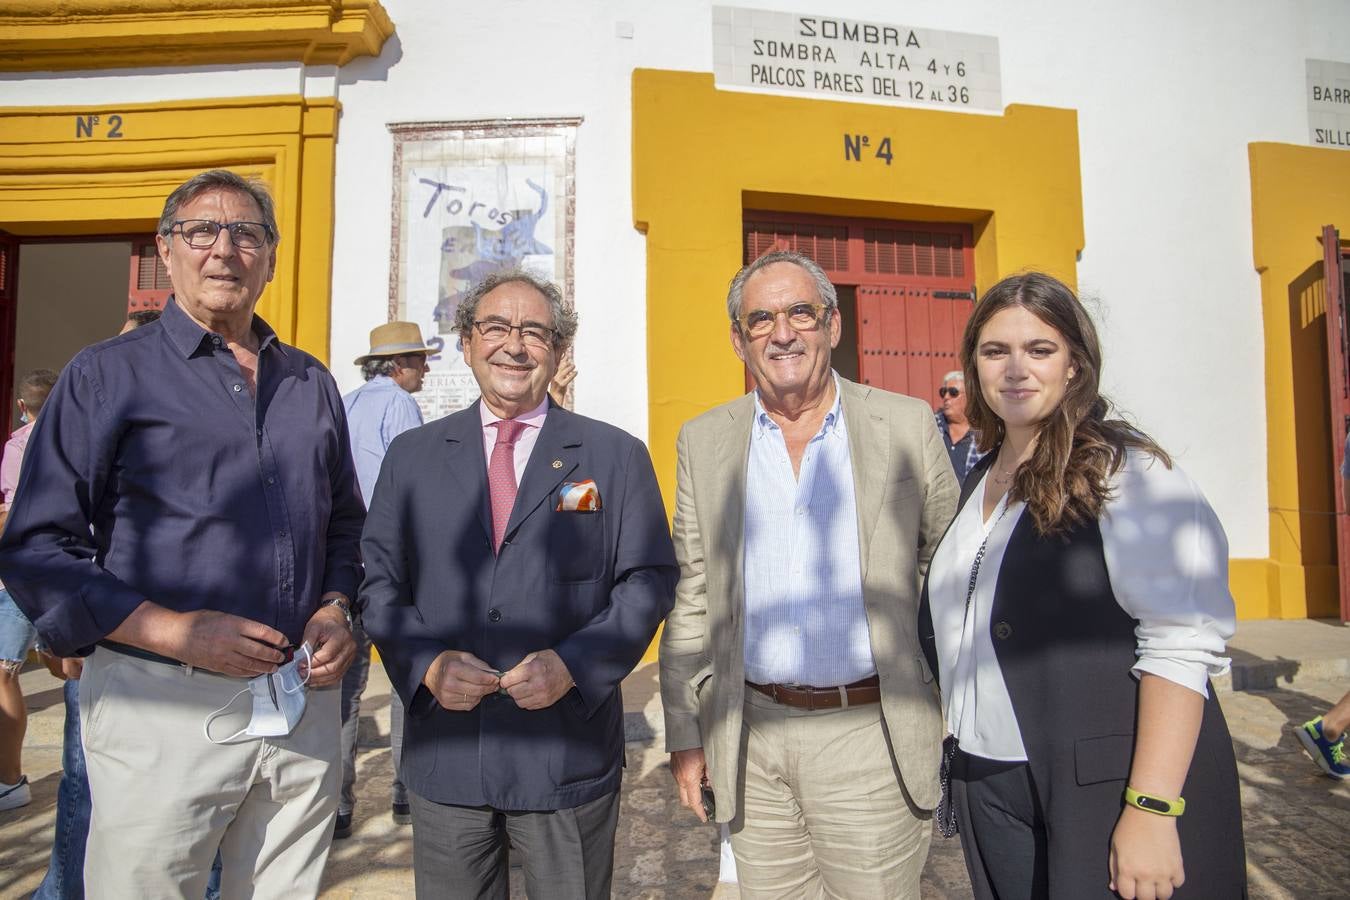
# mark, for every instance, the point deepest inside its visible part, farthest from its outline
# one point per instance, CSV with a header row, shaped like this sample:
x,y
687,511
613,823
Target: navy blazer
x,y
593,586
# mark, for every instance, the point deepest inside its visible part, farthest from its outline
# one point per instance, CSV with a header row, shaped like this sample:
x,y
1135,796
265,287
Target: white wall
x,y
106,86
524,60
1168,97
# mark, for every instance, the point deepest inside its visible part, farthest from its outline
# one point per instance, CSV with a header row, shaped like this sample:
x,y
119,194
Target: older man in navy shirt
x,y
190,515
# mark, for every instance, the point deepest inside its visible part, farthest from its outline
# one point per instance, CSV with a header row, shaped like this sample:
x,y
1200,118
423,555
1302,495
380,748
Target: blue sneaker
x,y
1329,755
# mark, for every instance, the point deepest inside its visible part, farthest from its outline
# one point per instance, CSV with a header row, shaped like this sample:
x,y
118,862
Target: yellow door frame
x,y
108,168
95,170
1295,191
68,35
701,156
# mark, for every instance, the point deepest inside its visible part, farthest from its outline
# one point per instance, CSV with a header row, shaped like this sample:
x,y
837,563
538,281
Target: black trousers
x,y
1003,834
461,851
1012,845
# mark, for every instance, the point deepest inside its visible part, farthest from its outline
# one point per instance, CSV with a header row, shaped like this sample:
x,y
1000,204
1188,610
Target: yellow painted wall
x,y
701,156
59,178
61,173
1295,191
64,35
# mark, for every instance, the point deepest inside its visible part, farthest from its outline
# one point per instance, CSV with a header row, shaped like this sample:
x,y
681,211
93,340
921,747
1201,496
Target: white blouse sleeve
x,y
1167,557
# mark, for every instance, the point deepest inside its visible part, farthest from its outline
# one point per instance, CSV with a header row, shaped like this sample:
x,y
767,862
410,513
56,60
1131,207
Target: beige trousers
x,y
823,812
164,797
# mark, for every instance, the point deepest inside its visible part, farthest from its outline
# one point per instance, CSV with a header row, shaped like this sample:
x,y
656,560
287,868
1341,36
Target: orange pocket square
x,y
579,496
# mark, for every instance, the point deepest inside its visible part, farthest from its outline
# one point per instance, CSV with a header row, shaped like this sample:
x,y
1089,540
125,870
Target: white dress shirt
x,y
805,622
1166,556
525,441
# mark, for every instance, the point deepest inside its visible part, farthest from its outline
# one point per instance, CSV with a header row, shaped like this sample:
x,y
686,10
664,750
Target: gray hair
x,y
954,375
564,318
379,365
219,180
824,289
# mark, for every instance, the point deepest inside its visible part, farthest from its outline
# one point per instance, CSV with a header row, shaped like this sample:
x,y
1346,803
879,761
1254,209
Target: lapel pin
x,y
557,464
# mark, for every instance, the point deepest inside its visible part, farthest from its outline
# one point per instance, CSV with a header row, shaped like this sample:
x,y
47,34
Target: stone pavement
x,y
1296,819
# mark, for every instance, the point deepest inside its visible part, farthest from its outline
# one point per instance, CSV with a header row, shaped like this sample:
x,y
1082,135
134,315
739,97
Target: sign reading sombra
x,y
873,62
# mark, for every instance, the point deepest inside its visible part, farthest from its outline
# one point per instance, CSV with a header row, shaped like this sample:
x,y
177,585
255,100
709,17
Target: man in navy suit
x,y
518,562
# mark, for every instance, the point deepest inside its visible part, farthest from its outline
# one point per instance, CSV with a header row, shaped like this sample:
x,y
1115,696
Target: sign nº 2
x,y
84,127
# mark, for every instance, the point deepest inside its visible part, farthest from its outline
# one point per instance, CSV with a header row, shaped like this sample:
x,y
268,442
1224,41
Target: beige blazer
x,y
906,495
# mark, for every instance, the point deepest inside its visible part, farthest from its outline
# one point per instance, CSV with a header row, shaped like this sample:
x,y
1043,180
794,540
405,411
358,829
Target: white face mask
x,y
270,719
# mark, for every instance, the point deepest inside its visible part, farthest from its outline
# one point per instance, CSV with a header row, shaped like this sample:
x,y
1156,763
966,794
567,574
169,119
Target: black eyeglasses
x,y
949,392
201,234
496,332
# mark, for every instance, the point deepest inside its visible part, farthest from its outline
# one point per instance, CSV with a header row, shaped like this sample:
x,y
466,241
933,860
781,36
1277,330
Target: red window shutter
x,y
827,245
928,254
149,286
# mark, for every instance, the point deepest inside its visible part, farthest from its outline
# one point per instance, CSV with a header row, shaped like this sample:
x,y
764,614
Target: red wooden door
x,y
1338,358
9,290
908,338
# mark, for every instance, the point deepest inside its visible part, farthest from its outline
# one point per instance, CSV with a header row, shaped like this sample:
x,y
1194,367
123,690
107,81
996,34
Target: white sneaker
x,y
12,796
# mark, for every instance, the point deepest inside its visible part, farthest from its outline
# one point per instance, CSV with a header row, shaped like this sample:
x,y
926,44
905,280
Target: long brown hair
x,y
1065,482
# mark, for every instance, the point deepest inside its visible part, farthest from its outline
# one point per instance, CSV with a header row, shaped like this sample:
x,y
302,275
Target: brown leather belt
x,y
804,696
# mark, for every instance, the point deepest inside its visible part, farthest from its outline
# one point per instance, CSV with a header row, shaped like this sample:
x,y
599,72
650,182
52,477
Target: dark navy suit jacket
x,y
593,586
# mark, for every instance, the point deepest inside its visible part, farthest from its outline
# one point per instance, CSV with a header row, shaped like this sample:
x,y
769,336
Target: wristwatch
x,y
1155,805
343,604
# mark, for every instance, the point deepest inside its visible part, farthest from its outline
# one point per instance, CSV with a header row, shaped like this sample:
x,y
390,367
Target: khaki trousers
x,y
823,812
164,797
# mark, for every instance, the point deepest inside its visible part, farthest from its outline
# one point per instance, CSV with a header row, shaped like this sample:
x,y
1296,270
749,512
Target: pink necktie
x,y
502,477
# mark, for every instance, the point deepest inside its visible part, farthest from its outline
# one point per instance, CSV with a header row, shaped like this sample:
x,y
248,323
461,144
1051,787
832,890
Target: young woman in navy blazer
x,y
1074,613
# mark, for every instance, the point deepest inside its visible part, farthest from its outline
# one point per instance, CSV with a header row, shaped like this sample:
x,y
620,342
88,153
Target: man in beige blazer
x,y
793,683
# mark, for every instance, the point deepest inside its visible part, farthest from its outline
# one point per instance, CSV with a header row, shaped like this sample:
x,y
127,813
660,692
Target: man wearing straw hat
x,y
377,412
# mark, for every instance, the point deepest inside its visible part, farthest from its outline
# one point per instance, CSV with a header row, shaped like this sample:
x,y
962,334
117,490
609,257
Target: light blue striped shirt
x,y
377,412
804,617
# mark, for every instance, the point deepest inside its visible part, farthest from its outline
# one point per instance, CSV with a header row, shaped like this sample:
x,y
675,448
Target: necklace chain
x,y
1002,475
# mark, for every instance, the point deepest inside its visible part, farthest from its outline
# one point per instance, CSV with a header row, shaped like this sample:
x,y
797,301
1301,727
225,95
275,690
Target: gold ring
x,y
466,697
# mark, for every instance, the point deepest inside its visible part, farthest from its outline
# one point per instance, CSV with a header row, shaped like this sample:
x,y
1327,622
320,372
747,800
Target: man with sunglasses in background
x,y
190,515
518,563
961,440
805,516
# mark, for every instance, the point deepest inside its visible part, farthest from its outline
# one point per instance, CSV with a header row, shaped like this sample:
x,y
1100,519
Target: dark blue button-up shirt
x,y
155,474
